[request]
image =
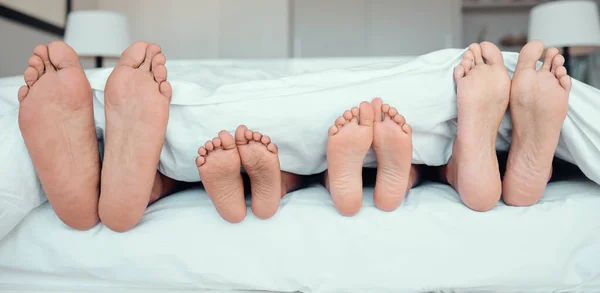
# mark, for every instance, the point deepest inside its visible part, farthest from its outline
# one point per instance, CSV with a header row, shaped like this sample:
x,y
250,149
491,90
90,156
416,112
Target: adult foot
x,y
136,102
538,108
483,86
56,118
219,167
349,141
260,161
392,143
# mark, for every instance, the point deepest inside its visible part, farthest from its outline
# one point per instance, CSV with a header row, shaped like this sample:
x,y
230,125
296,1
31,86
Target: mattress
x,y
431,243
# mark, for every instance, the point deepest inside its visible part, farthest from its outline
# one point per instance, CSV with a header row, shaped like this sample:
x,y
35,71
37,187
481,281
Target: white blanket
x,y
295,108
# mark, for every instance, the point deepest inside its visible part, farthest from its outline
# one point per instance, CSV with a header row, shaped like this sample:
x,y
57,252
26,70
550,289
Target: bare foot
x,y
538,108
349,141
483,92
219,167
260,160
56,118
392,142
136,99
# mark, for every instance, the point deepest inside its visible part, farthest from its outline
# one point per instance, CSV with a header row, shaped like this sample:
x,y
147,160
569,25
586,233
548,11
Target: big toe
x,y
240,135
227,141
530,54
62,55
377,103
134,55
491,53
367,114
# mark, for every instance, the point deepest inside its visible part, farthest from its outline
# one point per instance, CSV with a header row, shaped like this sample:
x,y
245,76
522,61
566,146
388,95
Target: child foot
x,y
220,171
392,142
538,108
260,160
56,118
483,86
136,99
349,141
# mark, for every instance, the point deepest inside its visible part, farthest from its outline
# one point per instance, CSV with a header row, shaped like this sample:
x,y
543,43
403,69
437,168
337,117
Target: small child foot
x,y
220,171
392,142
349,141
259,159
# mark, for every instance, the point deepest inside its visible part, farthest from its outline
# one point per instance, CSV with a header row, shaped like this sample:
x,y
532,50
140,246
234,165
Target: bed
x,y
432,243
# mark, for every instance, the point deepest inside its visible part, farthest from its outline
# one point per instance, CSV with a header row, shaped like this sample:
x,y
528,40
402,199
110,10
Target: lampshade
x,y
97,33
565,24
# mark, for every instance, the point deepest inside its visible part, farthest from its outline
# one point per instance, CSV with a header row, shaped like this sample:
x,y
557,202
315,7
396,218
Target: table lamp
x,y
97,34
573,25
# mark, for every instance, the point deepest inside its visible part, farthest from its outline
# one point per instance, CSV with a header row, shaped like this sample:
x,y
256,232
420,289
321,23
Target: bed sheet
x,y
431,243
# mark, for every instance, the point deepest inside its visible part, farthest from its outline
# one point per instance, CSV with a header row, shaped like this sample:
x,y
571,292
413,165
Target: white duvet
x,y
295,102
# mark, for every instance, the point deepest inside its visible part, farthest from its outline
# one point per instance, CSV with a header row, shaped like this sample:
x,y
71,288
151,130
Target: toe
x,y
557,62
151,51
459,72
240,135
355,111
565,82
249,134
560,72
30,76
159,59
377,103
227,141
407,129
209,146
200,161
160,73
399,119
216,142
366,114
341,121
385,108
272,148
134,55
468,60
42,52
393,112
62,55
256,136
530,54
37,63
166,89
550,54
202,151
265,140
491,54
23,91
348,115
333,130
476,49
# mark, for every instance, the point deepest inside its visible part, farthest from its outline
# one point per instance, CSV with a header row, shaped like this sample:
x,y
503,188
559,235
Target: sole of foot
x,y
392,143
538,108
136,104
259,159
349,141
483,86
219,167
56,118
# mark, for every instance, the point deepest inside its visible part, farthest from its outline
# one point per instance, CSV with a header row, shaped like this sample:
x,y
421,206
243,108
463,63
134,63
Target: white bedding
x,y
431,243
